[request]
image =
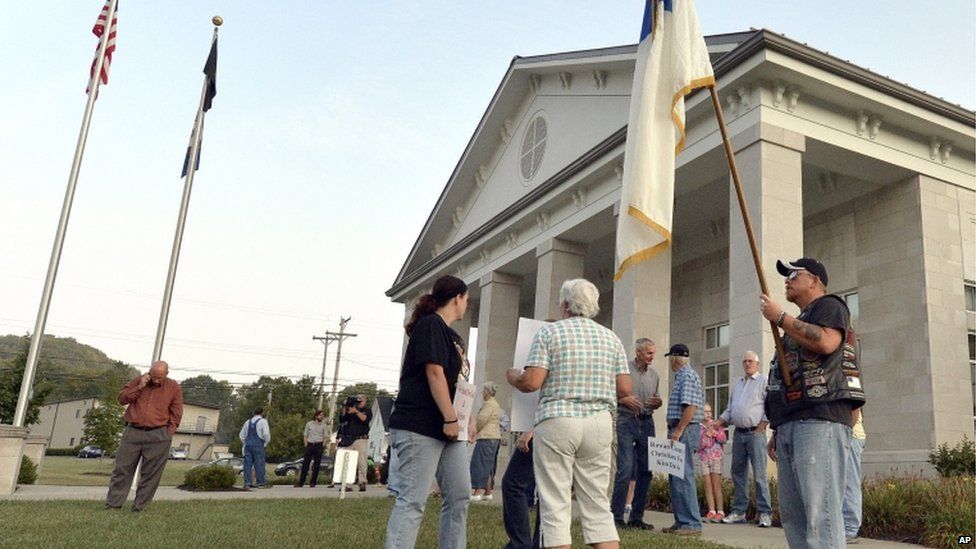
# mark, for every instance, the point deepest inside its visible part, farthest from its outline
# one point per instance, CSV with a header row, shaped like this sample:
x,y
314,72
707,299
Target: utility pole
x,y
329,338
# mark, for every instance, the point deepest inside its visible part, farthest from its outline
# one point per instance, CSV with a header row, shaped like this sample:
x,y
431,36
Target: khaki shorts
x,y
710,466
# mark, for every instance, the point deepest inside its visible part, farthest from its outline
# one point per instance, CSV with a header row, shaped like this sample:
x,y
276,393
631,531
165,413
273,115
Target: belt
x,y
143,427
674,423
745,429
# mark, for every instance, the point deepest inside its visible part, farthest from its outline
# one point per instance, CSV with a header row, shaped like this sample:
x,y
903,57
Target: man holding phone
x,y
155,409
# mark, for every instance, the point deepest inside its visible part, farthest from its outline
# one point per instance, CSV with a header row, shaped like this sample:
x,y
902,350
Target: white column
x,y
642,308
558,261
498,313
770,161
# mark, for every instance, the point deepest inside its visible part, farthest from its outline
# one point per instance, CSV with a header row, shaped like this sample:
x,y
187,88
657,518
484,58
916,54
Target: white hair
x,y
581,297
752,355
681,360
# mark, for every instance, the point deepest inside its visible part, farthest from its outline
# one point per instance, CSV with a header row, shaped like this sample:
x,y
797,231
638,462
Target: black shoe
x,y
362,487
619,523
136,510
111,508
298,485
640,525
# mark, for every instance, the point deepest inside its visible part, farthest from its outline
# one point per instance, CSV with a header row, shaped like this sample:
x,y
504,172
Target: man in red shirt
x,y
155,407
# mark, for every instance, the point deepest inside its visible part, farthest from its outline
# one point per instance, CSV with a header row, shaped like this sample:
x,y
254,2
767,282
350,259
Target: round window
x,y
533,147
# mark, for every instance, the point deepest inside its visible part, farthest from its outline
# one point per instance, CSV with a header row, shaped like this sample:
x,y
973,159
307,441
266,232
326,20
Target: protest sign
x,y
524,404
662,457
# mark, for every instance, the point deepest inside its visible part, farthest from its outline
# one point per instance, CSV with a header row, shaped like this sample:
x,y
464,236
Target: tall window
x,y
853,305
717,336
972,365
971,297
717,386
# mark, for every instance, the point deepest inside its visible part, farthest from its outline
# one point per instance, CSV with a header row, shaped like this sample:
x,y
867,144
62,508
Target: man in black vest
x,y
812,418
354,432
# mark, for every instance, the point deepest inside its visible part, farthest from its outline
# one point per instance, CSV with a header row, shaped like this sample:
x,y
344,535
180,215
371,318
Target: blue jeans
x,y
254,459
684,493
852,490
632,434
749,448
483,462
518,495
811,458
421,459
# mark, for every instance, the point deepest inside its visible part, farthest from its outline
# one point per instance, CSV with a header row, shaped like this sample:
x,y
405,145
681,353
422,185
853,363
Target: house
x,y
873,177
64,422
379,428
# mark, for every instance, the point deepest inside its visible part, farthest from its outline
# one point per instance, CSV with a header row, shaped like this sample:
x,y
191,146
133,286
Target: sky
x,y
334,130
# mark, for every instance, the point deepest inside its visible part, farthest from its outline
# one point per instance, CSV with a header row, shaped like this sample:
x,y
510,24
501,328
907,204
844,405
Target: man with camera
x,y
354,432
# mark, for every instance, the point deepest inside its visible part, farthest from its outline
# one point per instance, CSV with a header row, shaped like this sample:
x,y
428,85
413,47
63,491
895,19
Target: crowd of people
x,y
596,414
592,425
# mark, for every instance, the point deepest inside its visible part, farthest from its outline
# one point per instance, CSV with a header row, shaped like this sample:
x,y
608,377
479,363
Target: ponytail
x,y
445,289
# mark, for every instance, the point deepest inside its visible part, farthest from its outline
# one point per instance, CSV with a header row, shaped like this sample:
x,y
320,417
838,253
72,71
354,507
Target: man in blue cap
x,y
684,425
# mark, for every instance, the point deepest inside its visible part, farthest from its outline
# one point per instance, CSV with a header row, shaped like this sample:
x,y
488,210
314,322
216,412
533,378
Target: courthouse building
x,y
873,177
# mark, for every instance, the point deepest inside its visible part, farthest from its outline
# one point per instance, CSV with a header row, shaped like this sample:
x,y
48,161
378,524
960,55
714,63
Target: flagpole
x,y
783,368
184,206
37,337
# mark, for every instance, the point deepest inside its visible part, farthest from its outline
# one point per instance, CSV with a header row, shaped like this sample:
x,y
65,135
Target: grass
x,y
72,471
261,523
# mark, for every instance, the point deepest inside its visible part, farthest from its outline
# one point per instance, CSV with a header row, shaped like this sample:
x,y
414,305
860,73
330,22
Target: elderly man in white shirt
x,y
745,412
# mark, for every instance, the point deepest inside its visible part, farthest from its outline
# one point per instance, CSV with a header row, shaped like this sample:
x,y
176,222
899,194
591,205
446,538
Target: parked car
x,y
294,467
234,462
91,452
178,453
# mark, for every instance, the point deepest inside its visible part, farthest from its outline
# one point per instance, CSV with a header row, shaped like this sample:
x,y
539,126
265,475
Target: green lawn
x,y
359,523
72,471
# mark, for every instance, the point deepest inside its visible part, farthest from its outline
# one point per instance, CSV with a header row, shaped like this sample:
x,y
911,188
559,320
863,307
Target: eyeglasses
x,y
749,360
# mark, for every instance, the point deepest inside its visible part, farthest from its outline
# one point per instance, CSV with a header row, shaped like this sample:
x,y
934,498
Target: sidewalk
x,y
736,535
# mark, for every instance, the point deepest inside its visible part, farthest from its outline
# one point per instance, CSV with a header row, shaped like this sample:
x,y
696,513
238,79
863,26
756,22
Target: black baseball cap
x,y
678,349
803,264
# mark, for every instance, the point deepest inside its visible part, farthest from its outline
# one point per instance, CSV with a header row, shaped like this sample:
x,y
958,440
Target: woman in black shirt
x,y
424,424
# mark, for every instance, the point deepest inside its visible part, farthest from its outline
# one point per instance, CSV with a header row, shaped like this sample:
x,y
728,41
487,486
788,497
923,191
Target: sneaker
x,y
765,520
734,518
486,498
477,498
639,524
719,515
712,516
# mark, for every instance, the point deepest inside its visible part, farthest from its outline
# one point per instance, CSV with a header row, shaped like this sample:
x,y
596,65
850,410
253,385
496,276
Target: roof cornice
x,y
616,139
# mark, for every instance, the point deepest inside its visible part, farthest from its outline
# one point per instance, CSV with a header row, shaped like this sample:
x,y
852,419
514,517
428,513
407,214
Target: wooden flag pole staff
x,y
783,368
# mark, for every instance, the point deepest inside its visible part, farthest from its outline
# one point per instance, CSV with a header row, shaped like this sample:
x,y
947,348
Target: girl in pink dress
x,y
710,452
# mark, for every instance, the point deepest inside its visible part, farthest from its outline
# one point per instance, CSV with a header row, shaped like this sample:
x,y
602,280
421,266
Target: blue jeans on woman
x,y
811,462
684,492
483,462
421,459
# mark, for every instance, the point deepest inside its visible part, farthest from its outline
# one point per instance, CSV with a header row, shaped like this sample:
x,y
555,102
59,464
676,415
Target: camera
x,y
351,402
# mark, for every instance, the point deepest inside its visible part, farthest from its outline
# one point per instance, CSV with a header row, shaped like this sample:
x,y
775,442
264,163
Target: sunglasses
x,y
794,274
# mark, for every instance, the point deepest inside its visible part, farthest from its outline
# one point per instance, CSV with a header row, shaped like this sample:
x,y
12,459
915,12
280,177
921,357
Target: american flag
x,y
98,30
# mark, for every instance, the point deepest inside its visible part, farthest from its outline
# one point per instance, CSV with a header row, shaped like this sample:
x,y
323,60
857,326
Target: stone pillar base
x,y
11,449
34,448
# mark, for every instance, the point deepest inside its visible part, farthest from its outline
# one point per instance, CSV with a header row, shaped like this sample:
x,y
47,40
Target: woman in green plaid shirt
x,y
580,368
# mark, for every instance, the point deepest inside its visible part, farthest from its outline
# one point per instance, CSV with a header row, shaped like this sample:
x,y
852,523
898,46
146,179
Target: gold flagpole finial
x,y
218,20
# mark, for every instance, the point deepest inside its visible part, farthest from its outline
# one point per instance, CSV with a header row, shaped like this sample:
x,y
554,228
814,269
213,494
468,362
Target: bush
x,y
918,510
210,477
957,461
28,471
63,451
659,497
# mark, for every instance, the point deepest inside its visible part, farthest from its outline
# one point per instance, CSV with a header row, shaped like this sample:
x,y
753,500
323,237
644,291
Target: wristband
x,y
779,321
450,422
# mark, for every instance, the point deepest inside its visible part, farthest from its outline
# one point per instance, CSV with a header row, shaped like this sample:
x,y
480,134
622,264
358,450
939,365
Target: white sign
x,y
524,405
463,404
344,468
662,457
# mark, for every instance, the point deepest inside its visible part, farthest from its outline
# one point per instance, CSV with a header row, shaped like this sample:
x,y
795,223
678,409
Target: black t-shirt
x,y
432,341
829,313
353,426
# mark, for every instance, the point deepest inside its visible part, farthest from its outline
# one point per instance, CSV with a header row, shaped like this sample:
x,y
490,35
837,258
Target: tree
x,y
289,404
11,377
104,425
207,390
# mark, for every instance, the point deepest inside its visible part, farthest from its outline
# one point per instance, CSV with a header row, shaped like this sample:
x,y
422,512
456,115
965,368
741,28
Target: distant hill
x,y
73,369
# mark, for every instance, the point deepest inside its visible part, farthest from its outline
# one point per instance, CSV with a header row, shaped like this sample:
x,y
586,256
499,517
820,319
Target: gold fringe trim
x,y
692,86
